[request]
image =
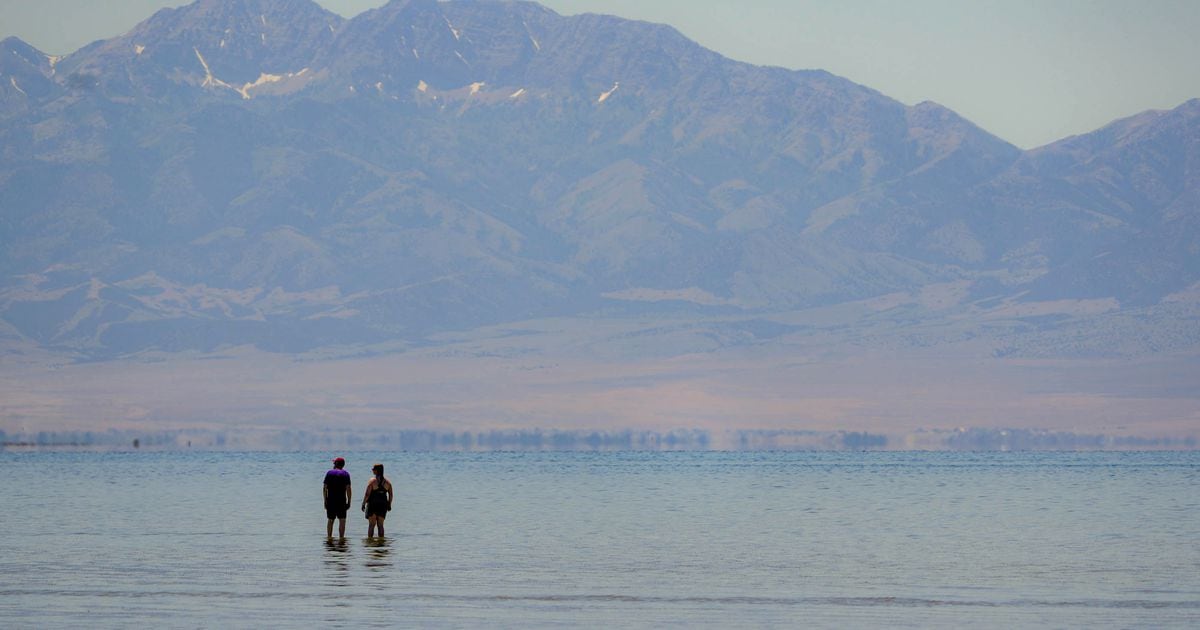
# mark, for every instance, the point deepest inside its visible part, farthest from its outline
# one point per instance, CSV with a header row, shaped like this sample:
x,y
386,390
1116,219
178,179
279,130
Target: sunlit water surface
x,y
609,539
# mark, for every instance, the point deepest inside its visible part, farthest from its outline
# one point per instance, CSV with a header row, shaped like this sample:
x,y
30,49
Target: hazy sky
x,y
1029,71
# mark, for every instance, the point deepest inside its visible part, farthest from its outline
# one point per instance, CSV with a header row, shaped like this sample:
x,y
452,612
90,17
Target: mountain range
x,y
268,173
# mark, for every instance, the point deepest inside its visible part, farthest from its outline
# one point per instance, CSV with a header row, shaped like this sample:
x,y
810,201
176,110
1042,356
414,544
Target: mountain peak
x,y
22,60
398,8
400,5
1123,131
1190,107
266,6
224,15
16,45
943,120
223,43
28,75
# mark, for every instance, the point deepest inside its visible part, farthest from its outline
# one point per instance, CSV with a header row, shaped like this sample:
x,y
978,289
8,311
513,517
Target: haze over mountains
x,y
493,179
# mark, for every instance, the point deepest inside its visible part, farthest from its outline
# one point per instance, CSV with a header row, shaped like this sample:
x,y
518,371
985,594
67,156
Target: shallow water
x,y
608,539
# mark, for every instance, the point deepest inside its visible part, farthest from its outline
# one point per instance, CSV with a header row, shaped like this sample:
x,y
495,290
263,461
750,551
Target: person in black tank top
x,y
377,501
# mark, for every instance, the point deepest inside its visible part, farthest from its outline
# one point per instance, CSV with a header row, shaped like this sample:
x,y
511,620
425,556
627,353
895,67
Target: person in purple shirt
x,y
337,497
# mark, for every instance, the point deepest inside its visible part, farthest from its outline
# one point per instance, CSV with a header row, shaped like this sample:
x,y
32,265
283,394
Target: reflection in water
x,y
378,553
337,560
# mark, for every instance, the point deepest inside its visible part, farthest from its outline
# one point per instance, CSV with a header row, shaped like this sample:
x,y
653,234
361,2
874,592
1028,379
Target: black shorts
x,y
337,510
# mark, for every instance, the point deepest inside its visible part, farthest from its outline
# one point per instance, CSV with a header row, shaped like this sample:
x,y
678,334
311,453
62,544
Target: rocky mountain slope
x,y
266,172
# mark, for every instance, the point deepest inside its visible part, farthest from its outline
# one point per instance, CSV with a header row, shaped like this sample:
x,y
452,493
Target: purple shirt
x,y
336,480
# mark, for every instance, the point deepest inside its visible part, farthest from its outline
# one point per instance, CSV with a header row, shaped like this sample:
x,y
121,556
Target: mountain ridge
x,y
205,180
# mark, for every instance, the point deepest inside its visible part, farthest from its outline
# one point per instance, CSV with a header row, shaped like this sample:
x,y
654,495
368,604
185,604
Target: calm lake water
x,y
195,540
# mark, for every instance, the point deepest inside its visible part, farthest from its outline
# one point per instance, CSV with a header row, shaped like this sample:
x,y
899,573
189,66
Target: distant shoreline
x,y
582,440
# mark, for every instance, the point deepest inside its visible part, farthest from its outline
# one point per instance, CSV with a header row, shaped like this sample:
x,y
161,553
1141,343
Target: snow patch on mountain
x,y
263,79
209,79
604,96
533,40
457,33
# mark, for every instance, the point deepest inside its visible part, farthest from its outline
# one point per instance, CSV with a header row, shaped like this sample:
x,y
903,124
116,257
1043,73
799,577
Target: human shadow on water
x,y
379,551
337,560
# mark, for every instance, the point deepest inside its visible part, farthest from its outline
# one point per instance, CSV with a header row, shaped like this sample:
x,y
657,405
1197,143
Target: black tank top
x,y
378,501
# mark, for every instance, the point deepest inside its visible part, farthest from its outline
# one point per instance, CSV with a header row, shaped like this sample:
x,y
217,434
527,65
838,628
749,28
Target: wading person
x,y
377,501
337,497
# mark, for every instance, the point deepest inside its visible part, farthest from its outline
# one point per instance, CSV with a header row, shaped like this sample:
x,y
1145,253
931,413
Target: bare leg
x,y
329,529
341,527
371,526
379,522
